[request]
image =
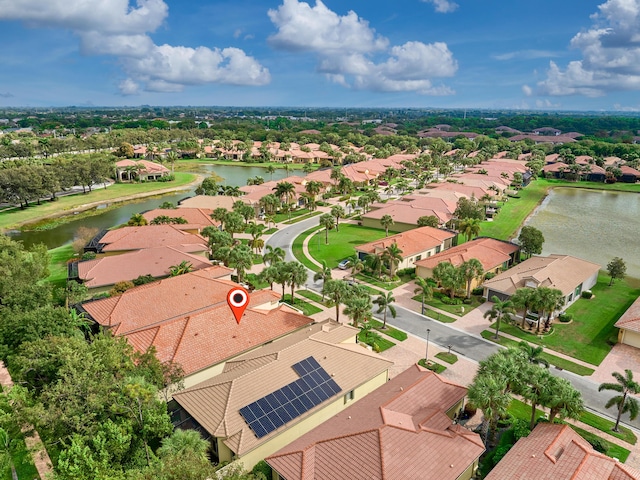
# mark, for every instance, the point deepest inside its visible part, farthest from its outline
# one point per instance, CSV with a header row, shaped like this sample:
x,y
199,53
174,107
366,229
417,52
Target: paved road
x,y
477,349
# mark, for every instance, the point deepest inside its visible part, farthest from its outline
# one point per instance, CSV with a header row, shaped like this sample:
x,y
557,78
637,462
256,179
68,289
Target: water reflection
x,y
590,224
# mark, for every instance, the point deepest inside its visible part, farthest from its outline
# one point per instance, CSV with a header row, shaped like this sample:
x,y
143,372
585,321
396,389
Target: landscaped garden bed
x,y
305,307
459,308
389,331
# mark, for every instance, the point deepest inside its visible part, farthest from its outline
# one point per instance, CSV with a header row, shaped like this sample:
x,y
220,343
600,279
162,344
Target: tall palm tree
x,y
424,289
337,291
469,227
386,221
449,276
338,212
523,299
324,274
470,270
285,191
298,275
533,354
172,157
563,400
626,386
546,300
358,308
270,170
487,393
537,390
393,256
500,312
273,255
384,303
326,221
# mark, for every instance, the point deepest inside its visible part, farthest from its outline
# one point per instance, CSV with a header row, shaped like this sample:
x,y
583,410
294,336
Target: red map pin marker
x,y
238,300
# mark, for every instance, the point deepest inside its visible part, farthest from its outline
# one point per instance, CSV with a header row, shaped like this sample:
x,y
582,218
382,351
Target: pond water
x,y
64,233
590,224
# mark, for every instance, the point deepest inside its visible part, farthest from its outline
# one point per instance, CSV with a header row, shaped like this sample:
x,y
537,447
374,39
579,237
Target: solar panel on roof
x,y
272,411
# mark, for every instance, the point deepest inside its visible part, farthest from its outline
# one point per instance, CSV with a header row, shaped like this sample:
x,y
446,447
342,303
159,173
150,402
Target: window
x,y
349,396
419,257
438,249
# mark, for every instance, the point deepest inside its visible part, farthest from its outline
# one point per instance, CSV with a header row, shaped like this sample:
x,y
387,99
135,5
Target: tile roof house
x,y
211,202
144,169
267,398
406,211
126,239
401,430
187,319
415,244
556,452
494,255
570,275
102,273
197,218
629,325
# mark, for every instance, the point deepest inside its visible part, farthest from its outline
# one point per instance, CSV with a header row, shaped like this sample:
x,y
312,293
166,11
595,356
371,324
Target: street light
x,y
426,355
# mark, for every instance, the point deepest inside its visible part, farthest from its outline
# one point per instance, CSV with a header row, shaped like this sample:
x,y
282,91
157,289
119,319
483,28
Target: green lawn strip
x,y
341,243
316,298
433,366
375,341
58,258
605,425
389,331
519,409
613,450
386,285
289,216
301,218
441,317
296,250
618,186
587,337
457,310
370,290
552,359
254,280
270,231
69,203
450,358
300,304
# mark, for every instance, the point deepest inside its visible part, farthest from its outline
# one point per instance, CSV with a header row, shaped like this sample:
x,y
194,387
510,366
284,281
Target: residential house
x,y
100,274
554,451
197,218
140,169
407,210
403,429
211,202
629,325
415,244
126,239
570,275
629,175
188,321
267,398
494,255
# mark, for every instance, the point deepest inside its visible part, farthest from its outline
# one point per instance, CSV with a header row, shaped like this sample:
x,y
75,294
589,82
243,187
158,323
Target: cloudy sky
x,y
560,54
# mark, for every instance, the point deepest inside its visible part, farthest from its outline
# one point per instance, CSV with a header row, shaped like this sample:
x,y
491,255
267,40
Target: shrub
x,y
88,256
520,428
263,468
500,452
477,291
344,198
565,317
489,275
587,294
598,444
406,271
167,178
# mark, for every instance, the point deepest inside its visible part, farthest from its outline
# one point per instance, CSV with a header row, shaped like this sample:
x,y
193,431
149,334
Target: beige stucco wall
x,y
296,430
628,337
468,473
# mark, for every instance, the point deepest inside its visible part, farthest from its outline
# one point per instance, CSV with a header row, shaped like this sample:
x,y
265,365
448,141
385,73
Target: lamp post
x,y
426,355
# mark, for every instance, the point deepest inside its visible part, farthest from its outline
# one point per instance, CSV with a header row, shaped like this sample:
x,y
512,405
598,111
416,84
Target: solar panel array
x,y
272,411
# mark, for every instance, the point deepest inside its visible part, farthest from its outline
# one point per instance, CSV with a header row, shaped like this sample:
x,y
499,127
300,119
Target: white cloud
x,y
350,52
115,28
443,6
524,55
610,55
527,90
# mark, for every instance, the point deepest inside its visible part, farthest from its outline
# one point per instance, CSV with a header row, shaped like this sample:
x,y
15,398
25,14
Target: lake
x,y
232,175
591,224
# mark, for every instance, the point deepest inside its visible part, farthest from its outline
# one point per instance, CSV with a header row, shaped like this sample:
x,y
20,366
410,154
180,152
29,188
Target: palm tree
x,y
500,311
180,269
270,203
357,265
470,270
285,191
384,303
137,220
546,301
626,386
393,256
469,227
449,277
182,442
424,289
273,255
172,157
324,274
374,264
298,275
487,393
337,291
270,169
523,298
219,215
533,354
270,275
241,258
386,221
338,212
358,308
326,221
564,400
537,390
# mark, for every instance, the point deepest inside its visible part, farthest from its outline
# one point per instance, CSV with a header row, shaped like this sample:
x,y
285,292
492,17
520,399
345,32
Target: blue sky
x,y
561,54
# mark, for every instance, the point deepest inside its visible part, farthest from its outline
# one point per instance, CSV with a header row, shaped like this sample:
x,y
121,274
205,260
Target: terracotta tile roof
x,y
490,252
408,213
400,430
148,167
188,321
410,242
556,452
626,170
156,262
209,202
468,190
556,167
563,272
215,403
630,319
193,216
149,236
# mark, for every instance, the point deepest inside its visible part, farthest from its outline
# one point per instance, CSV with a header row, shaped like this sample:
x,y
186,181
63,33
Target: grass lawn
x,y
296,250
450,358
283,217
389,331
433,366
402,279
270,231
341,243
457,310
69,203
552,359
301,218
316,298
375,340
441,317
605,425
300,304
587,337
254,280
58,258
